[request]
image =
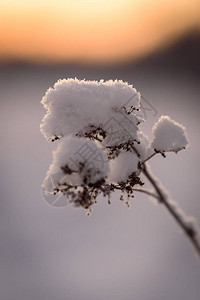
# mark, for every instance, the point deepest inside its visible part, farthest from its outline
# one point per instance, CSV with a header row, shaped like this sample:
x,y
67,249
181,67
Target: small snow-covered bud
x,y
143,146
77,161
169,135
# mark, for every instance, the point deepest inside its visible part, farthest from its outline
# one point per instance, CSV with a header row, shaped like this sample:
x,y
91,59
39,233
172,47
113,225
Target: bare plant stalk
x,y
152,155
146,192
188,228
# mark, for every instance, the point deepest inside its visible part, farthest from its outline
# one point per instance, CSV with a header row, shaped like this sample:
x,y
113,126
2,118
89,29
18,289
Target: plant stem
x,y
190,231
152,155
146,192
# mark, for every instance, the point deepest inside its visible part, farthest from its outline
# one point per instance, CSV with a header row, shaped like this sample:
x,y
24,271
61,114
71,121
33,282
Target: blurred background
x,y
117,253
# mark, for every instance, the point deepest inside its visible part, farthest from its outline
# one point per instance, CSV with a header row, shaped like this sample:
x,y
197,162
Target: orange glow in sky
x,y
91,30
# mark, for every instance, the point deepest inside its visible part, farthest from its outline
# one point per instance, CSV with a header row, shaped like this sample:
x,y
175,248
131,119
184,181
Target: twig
x,y
190,231
136,151
146,192
152,155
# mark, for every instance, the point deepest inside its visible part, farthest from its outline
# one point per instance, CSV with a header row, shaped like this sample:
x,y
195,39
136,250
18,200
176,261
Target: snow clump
x,y
169,135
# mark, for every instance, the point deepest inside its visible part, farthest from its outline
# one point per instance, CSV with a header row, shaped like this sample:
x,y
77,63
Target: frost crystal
x,y
169,135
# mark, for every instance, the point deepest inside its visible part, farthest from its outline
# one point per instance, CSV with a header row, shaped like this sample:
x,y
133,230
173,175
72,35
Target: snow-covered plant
x,y
101,147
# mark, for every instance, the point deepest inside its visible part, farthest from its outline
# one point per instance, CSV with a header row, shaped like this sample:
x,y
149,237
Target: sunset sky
x,y
91,30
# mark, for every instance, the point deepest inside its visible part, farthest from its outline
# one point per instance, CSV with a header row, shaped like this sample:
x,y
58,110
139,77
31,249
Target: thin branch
x,y
189,229
146,192
136,151
152,155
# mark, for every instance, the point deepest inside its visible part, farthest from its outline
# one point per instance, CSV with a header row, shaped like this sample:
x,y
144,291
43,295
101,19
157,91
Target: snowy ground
x,y
116,253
